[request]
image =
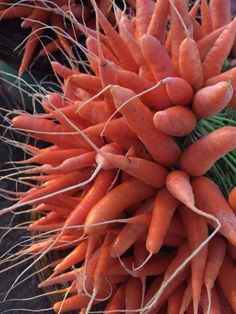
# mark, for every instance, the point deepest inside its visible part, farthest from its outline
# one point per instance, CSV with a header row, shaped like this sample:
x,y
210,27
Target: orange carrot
x,y
157,26
117,301
216,254
139,118
175,299
226,278
157,58
99,189
205,190
197,232
206,43
130,233
144,11
212,64
177,28
212,99
220,12
190,66
228,76
206,19
232,199
198,158
175,121
179,91
112,204
62,70
163,210
133,295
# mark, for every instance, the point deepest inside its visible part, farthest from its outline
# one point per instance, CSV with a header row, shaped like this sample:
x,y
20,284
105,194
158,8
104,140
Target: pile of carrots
x,y
145,229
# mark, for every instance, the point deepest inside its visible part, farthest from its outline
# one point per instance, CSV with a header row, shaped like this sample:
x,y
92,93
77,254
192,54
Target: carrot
x,y
41,128
62,70
54,157
206,18
156,98
117,127
157,58
139,118
187,298
144,11
215,306
99,189
94,112
75,256
168,285
36,15
227,279
232,199
231,250
205,190
174,300
199,157
220,13
194,10
190,67
197,232
216,254
163,210
71,303
118,45
179,91
154,175
92,45
117,301
228,76
15,12
157,26
112,205
45,191
175,121
212,99
30,47
205,44
133,295
129,234
177,28
90,83
212,64
49,48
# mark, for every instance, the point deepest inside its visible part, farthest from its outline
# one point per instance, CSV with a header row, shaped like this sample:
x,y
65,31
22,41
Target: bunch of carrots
x,y
60,16
144,227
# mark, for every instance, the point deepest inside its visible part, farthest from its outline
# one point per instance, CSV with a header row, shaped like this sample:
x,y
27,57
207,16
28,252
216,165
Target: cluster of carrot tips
x,y
127,184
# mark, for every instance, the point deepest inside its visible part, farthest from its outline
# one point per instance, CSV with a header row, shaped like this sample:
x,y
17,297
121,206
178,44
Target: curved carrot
x,y
212,99
175,121
99,189
199,157
112,204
